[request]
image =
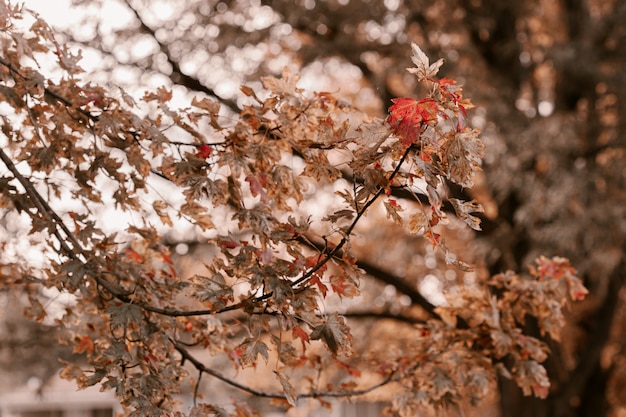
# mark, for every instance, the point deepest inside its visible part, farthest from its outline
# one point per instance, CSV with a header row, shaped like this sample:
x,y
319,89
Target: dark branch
x,y
384,276
177,76
381,316
187,356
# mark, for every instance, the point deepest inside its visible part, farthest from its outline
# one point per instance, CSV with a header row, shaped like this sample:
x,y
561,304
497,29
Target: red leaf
x,y
257,182
299,333
228,242
316,281
204,151
446,81
406,117
248,351
449,90
555,268
342,287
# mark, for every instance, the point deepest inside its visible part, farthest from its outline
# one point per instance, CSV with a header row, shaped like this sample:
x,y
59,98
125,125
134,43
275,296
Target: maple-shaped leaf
x,y
532,348
257,184
442,383
370,138
418,221
552,268
423,69
162,95
462,154
347,214
136,158
335,334
250,349
299,333
502,343
284,86
199,214
125,319
316,280
212,290
84,344
93,379
407,116
558,268
210,105
577,290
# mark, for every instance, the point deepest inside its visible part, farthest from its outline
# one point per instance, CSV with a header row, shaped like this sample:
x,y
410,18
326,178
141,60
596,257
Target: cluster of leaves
x,y
261,297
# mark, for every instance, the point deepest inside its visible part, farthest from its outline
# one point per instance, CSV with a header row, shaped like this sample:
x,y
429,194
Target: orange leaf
x,y
133,255
85,344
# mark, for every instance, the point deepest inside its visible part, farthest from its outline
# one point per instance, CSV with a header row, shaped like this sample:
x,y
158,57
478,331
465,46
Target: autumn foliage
x,y
242,184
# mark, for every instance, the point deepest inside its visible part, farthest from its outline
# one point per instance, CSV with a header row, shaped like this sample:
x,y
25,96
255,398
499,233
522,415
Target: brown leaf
x,y
335,334
464,209
462,156
288,389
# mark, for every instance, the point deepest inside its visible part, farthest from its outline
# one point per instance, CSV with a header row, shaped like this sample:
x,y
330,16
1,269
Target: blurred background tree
x,y
548,78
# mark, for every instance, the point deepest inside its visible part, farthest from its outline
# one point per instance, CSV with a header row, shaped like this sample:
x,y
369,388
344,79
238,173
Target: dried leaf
x,y
288,389
418,221
462,155
159,207
203,410
464,209
423,69
335,334
393,209
249,350
532,378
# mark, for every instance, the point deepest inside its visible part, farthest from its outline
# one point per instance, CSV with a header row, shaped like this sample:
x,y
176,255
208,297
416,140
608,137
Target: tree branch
x,y
187,356
603,319
384,276
192,83
348,231
43,208
381,315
